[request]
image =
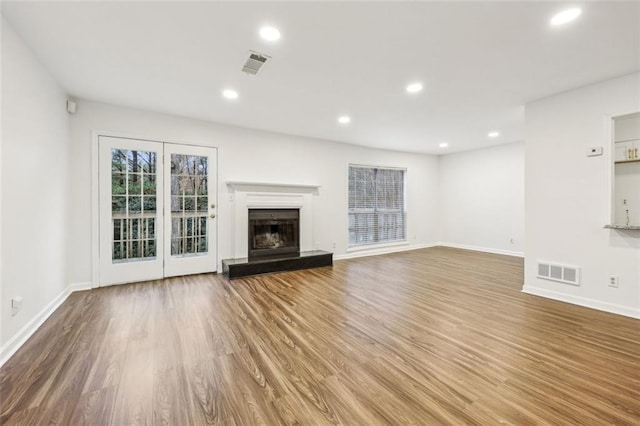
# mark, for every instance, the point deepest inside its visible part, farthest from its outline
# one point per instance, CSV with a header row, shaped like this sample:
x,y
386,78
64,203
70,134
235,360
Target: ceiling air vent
x,y
254,63
556,272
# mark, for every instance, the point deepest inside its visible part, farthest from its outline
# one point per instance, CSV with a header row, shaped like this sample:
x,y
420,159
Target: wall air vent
x,y
254,63
567,274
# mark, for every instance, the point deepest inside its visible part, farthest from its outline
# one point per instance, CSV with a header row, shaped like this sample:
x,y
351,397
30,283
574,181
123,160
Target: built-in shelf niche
x,y
625,211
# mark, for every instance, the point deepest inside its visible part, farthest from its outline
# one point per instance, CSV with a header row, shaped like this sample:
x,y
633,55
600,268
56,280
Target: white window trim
x,y
365,247
373,246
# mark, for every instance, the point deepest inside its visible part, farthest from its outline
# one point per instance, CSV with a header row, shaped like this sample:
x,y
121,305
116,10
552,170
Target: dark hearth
x,y
238,268
273,232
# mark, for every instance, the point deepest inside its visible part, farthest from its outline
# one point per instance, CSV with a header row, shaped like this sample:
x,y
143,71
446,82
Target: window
x,y
376,205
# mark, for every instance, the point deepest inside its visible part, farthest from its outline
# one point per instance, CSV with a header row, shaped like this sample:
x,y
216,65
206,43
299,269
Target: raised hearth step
x,y
244,267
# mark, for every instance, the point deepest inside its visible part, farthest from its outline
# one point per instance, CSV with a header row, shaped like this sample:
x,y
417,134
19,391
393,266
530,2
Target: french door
x,y
157,210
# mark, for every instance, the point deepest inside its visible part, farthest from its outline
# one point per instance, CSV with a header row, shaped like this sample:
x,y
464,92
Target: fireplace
x,y
274,232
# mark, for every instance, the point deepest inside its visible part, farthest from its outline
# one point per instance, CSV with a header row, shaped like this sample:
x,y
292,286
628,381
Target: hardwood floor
x,y
433,336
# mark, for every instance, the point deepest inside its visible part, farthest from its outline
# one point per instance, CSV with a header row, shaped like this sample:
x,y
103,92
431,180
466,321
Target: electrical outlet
x,y
333,244
16,305
512,240
624,201
613,281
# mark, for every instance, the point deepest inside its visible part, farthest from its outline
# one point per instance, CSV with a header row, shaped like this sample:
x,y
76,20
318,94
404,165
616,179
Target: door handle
x,y
212,216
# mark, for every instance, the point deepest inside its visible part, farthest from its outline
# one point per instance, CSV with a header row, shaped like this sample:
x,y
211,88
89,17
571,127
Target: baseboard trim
x,y
11,347
483,249
582,301
382,250
79,287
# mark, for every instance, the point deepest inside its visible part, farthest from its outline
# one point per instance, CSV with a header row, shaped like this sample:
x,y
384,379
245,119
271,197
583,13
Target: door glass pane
x,y
133,205
188,205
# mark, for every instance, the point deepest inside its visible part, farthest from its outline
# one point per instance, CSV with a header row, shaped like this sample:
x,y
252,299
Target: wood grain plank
x,y
433,336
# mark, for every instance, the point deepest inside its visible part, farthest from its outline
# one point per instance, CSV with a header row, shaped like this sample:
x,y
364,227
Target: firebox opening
x,y
273,232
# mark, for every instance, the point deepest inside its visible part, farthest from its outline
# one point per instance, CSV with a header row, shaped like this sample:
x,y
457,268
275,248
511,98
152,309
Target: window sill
x,y
377,246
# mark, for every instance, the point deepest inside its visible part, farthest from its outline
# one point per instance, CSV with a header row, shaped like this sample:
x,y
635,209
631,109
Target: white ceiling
x,y
480,62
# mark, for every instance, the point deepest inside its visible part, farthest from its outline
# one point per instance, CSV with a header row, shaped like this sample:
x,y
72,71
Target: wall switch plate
x,y
16,305
594,151
613,281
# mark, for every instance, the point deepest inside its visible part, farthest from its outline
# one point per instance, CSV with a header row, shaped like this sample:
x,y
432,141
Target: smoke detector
x,y
254,63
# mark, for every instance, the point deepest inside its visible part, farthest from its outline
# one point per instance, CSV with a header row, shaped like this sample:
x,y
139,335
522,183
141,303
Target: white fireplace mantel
x,y
259,195
271,187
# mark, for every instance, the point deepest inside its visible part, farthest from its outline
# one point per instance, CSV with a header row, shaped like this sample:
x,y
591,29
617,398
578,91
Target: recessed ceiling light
x,y
493,134
344,119
414,87
230,94
443,144
270,33
565,16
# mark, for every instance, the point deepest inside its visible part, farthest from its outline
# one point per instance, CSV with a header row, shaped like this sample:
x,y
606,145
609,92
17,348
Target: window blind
x,y
376,205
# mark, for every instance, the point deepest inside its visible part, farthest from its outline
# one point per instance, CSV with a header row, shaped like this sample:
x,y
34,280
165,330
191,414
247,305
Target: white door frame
x,y
95,192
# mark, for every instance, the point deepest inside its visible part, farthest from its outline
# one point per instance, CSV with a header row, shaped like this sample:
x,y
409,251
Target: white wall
x,y
482,199
249,155
35,195
567,196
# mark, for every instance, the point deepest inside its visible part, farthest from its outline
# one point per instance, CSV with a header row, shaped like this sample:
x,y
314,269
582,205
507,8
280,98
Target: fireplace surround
x,y
245,196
